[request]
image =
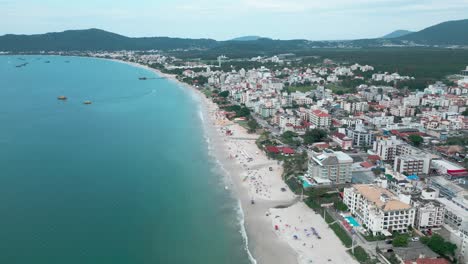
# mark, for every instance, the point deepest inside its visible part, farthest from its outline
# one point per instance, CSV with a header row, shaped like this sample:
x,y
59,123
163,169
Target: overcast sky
x,y
225,19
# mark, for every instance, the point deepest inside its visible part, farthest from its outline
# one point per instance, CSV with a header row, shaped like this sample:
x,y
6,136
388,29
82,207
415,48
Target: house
x,y
342,140
272,149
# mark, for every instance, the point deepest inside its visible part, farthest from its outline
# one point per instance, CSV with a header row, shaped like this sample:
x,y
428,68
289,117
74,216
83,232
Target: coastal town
x,y
384,166
381,167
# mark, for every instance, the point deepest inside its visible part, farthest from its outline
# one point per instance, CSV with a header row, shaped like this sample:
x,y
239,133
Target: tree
x,y
224,94
340,206
438,244
400,241
465,113
416,140
314,135
243,112
253,125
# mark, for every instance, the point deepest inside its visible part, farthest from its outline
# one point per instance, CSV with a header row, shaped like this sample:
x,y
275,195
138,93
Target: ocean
x,y
126,180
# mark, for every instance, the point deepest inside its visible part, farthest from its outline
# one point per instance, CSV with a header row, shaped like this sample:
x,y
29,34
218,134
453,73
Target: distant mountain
x,y
397,33
247,38
446,33
95,39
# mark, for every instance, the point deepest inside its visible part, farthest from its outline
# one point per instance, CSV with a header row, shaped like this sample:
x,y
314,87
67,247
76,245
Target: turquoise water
x,y
126,180
305,183
352,221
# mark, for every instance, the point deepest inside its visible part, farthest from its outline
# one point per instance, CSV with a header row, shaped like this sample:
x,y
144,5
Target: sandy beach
x,y
256,178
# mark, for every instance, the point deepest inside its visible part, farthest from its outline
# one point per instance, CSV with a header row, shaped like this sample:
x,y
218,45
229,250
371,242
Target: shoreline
x,y
263,244
248,169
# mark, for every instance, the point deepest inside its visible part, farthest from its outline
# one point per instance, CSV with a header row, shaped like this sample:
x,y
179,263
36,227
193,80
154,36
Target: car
x,y
283,189
390,250
271,168
388,241
415,239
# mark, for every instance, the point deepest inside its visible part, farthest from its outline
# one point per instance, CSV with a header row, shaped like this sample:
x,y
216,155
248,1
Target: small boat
x,y
62,98
87,102
252,201
143,78
226,188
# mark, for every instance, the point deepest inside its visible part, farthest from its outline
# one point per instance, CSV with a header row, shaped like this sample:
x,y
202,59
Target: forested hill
x,y
95,39
447,34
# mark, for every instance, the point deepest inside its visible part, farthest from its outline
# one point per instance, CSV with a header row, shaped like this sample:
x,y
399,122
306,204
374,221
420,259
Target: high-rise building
x,y
331,166
378,209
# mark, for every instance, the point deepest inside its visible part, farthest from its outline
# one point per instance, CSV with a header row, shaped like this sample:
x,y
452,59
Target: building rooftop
x,y
329,157
381,197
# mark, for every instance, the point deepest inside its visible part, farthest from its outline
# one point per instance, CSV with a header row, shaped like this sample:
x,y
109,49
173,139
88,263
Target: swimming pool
x,y
305,182
352,221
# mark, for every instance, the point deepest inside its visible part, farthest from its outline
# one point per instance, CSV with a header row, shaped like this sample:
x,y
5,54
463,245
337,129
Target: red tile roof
x,y
339,135
428,261
288,151
373,157
366,165
320,113
272,149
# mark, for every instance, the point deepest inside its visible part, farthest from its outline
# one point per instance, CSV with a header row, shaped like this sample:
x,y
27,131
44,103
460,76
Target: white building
x,y
386,148
455,211
331,166
353,107
378,209
429,212
418,163
320,119
360,136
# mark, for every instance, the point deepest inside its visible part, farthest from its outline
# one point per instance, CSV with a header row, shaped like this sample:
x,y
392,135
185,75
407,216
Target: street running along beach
x,y
273,235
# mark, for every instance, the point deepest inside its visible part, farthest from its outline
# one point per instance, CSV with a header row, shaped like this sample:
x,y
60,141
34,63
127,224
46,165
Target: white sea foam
x,y
225,176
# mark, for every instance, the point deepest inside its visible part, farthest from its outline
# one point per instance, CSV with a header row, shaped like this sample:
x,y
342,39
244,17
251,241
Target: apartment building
x,y
378,209
386,148
361,137
320,119
429,212
332,166
409,164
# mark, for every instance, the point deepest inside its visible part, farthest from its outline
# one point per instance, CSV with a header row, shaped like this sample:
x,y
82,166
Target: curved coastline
x,y
262,244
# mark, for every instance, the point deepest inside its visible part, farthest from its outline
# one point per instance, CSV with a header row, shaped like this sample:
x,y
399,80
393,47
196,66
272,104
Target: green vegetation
x,y
371,237
438,244
290,138
361,255
252,125
224,94
462,141
393,259
199,80
295,165
340,206
416,140
241,111
342,88
207,92
341,234
314,135
401,240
